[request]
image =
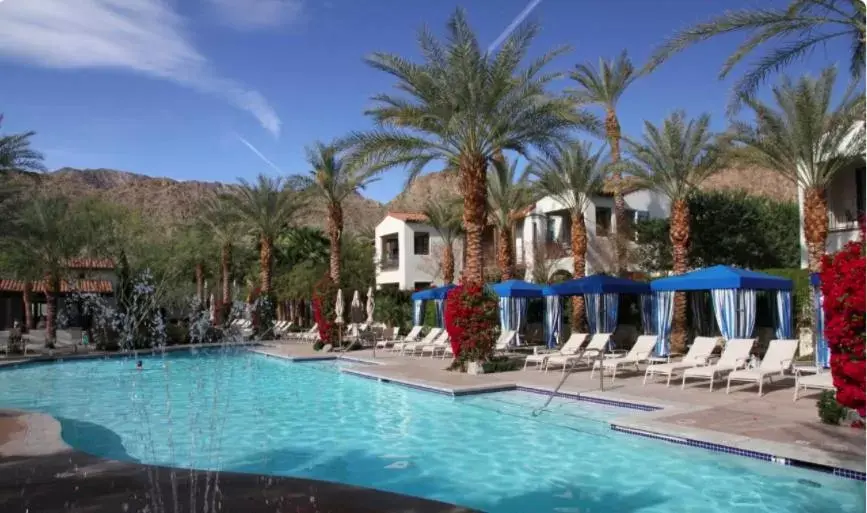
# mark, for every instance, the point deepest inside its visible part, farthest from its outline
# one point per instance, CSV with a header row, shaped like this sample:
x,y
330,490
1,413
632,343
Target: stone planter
x,y
806,342
475,368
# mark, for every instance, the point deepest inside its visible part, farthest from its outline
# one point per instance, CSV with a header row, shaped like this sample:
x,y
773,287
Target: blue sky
x,y
192,89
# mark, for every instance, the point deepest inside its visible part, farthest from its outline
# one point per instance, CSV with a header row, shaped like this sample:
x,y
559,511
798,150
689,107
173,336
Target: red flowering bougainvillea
x,y
324,297
843,287
471,321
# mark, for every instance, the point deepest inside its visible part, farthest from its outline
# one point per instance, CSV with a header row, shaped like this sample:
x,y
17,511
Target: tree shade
x,y
722,277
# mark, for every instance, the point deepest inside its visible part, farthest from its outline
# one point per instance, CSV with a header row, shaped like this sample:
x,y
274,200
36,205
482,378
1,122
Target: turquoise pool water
x,y
249,413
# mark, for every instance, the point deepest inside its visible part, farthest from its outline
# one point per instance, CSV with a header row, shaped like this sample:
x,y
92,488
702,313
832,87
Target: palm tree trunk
x,y
506,253
815,226
27,296
448,264
335,227
679,235
579,265
200,282
52,287
612,130
226,272
266,260
473,176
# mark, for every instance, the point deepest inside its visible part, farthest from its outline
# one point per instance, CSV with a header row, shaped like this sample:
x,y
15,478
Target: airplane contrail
x,y
258,153
512,26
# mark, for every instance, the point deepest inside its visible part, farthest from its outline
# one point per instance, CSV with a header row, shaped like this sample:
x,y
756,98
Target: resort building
x,y
87,275
408,250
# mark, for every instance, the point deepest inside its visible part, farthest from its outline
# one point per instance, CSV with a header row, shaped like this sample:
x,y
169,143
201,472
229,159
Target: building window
x,y
603,221
421,244
421,285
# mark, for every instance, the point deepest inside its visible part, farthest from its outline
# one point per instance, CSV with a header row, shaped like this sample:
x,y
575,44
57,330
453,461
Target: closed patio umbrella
x,y
338,307
355,308
370,305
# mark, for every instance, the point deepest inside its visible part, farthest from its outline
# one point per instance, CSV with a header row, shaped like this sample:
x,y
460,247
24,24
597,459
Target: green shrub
x,y
802,306
830,411
393,307
177,334
501,364
317,346
430,314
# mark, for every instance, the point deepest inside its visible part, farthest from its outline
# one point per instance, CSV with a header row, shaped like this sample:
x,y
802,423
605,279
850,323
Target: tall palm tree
x,y
227,231
508,194
798,30
334,178
266,208
604,86
444,215
462,105
808,140
673,159
16,155
572,174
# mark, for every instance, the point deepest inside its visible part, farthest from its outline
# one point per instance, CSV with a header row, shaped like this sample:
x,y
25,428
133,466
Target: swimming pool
x,y
250,413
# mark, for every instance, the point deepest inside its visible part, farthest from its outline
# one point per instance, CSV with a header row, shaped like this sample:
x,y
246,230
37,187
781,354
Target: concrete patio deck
x,y
771,424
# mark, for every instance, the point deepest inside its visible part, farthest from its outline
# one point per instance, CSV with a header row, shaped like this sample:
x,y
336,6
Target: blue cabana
x,y
601,294
733,294
822,352
436,294
514,296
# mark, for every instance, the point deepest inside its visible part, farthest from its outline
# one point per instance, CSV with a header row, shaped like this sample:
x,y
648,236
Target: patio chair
x,y
639,353
595,347
411,337
310,335
698,354
505,340
820,380
570,348
778,359
389,337
427,340
438,345
734,357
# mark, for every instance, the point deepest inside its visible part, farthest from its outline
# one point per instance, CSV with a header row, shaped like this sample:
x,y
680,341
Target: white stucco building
x,y
408,250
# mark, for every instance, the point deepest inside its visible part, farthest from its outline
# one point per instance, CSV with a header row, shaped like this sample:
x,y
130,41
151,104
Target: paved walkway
x,y
772,423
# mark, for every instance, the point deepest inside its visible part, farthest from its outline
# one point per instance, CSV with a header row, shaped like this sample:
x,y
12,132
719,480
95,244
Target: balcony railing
x,y
389,262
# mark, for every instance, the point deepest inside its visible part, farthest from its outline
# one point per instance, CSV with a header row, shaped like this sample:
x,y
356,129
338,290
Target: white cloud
x,y
253,14
145,36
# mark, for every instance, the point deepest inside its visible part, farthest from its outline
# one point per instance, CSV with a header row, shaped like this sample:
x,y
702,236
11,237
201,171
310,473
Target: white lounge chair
x,y
505,340
595,347
310,335
570,348
820,380
698,354
427,340
438,345
734,357
639,353
412,336
389,337
778,359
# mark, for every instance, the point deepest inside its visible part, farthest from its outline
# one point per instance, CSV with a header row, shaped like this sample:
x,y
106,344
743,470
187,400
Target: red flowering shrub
x,y
471,321
324,298
843,286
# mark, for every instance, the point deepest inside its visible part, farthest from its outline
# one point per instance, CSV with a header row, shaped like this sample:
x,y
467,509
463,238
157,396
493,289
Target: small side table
x,y
663,359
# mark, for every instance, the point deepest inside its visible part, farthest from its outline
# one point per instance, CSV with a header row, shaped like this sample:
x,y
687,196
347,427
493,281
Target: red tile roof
x,y
90,263
409,217
90,286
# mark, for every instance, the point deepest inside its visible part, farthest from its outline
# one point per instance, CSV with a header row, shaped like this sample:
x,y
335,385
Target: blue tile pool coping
x,y
827,469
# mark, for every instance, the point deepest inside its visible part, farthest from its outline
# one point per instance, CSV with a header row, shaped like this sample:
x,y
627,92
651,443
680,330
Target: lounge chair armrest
x,y
741,362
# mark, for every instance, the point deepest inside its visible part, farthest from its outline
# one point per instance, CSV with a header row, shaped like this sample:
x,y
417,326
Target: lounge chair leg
x,y
729,385
683,383
761,382
668,382
645,376
711,383
614,374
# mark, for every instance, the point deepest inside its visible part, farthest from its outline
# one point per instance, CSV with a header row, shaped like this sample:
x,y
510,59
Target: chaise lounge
x,y
734,357
698,354
778,359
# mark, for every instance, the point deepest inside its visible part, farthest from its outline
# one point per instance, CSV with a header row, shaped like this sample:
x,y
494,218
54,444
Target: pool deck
x,y
772,424
40,473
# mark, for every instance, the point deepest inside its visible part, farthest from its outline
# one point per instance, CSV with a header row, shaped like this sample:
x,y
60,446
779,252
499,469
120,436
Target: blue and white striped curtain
x,y
823,352
553,320
440,308
417,312
664,309
784,314
645,301
735,312
513,314
609,318
592,305
505,305
520,317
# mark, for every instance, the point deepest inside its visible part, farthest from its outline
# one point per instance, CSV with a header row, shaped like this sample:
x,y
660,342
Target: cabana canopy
x,y
516,288
722,277
815,280
434,293
596,284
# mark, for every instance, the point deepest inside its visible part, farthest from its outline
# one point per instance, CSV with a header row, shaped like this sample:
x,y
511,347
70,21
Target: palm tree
x,y
673,159
799,29
444,215
265,208
604,86
334,179
227,231
807,140
572,174
45,235
16,155
463,106
508,194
